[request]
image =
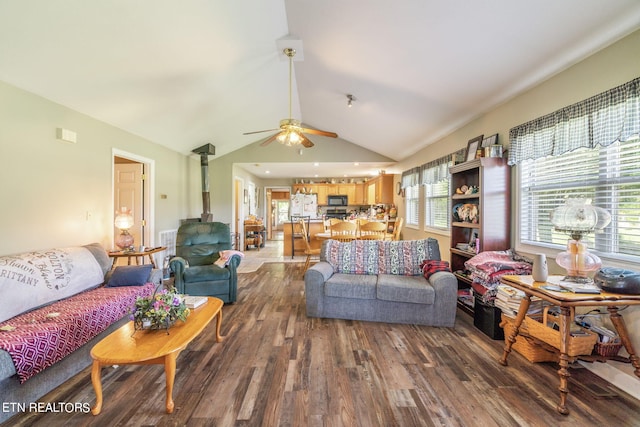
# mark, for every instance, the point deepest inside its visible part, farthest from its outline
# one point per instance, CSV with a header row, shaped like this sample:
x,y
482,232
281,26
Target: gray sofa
x,y
380,281
73,283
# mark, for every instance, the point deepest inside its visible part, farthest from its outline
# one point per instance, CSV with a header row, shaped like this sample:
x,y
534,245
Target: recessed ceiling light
x,y
316,164
356,164
267,171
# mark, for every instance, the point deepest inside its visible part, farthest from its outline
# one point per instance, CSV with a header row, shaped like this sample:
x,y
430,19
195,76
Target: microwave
x,y
337,200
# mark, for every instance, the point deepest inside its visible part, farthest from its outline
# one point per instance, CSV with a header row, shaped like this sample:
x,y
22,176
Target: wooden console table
x,y
567,301
136,255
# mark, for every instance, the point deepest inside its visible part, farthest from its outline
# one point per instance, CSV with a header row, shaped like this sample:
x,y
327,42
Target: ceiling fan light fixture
x,y
350,100
289,138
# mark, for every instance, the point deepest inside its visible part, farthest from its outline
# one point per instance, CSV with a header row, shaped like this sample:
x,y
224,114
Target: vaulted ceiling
x,y
186,73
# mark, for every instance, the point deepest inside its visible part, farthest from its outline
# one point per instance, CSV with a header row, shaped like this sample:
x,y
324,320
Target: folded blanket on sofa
x,y
44,336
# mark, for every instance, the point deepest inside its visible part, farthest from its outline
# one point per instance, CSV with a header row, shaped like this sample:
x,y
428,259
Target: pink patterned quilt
x,y
44,336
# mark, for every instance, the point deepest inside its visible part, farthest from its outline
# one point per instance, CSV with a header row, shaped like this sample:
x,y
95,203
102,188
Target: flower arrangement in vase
x,y
159,311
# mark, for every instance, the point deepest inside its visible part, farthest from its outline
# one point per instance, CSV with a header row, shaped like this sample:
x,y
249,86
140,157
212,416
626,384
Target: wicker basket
x,y
608,349
532,350
578,345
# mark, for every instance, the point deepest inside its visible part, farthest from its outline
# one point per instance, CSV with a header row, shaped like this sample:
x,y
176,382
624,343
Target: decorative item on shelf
x,y
465,189
456,208
491,147
472,147
159,311
466,212
577,217
124,221
493,151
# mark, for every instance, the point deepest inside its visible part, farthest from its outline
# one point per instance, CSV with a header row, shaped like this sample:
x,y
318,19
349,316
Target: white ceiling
x,y
186,73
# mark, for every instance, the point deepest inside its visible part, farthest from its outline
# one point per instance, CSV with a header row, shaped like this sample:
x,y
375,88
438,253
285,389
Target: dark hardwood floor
x,y
277,367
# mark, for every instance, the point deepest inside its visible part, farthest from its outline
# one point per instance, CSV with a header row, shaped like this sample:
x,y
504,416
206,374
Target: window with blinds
x,y
609,176
437,204
411,200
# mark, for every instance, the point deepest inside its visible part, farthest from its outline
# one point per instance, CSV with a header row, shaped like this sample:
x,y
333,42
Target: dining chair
x,y
373,230
329,222
297,232
360,222
395,235
344,231
308,251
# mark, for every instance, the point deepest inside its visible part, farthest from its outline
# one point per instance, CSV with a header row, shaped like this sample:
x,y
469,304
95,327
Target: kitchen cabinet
x,y
323,192
358,198
379,190
349,190
354,196
376,191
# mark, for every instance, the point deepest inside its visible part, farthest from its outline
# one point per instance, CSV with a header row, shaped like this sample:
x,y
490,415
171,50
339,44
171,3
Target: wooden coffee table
x,y
126,346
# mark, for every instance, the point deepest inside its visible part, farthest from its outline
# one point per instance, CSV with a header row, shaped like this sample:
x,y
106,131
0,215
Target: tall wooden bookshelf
x,y
491,176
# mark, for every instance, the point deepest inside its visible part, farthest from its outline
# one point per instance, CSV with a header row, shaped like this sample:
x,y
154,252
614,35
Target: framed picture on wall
x,y
472,147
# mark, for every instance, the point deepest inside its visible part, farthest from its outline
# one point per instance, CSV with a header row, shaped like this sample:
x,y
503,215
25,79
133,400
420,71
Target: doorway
x,y
132,189
238,204
278,211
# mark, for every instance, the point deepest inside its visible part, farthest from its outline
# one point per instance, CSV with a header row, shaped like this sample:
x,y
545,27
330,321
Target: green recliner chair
x,y
199,244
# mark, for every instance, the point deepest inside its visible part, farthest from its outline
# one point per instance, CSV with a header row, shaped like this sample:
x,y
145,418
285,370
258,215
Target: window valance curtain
x,y
438,170
603,119
410,177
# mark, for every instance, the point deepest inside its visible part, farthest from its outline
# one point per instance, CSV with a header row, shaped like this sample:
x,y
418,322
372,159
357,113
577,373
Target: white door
x,y
129,193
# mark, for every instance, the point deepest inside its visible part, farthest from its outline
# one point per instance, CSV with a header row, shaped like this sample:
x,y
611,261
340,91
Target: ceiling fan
x,y
291,132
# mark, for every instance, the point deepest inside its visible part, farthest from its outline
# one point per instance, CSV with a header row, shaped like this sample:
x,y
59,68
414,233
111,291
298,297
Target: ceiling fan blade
x,y
269,140
305,141
259,131
319,132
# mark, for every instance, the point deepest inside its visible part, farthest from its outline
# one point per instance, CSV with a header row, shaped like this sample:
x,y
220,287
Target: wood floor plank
x,y
277,367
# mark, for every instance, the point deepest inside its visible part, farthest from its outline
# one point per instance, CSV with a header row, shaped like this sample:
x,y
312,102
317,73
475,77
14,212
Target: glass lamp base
x,y
124,240
578,262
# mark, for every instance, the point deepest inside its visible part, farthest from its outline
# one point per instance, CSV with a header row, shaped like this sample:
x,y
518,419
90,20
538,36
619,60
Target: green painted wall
x,y
48,186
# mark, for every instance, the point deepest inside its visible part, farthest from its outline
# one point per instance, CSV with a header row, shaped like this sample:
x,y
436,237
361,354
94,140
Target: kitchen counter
x,y
315,226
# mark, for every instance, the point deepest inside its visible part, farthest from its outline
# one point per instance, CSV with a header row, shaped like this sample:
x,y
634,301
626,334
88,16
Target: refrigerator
x,y
304,205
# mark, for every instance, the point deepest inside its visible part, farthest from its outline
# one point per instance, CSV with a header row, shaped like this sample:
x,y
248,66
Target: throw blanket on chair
x,y
43,337
225,257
